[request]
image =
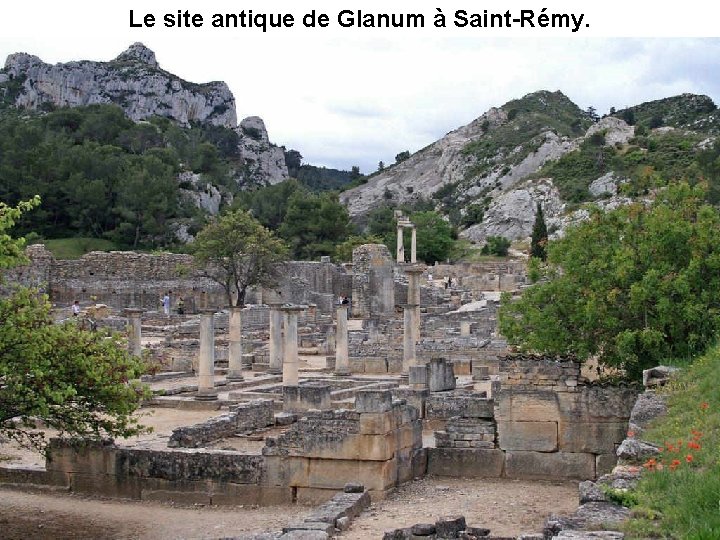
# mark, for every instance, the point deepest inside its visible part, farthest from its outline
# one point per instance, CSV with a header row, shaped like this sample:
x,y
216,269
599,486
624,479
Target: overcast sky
x,y
355,97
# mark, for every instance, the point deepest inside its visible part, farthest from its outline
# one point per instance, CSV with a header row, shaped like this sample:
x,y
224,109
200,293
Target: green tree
x,y
435,237
269,204
496,245
314,224
634,287
402,156
539,238
74,381
237,252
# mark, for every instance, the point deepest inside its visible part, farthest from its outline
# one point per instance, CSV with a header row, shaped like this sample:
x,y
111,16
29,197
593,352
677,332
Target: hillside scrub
x,y
631,287
679,492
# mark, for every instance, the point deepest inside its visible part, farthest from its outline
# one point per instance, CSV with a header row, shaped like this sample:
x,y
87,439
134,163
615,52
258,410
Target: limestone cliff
x,y
133,80
136,82
487,177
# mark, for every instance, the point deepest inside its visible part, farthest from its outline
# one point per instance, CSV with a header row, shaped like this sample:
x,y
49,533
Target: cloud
x,y
343,100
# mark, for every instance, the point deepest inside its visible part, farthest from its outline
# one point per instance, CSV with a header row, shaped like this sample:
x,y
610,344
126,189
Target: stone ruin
x,y
411,379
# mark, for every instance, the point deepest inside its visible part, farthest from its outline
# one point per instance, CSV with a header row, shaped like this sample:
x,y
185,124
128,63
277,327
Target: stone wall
x,y
485,276
36,274
122,279
245,417
549,424
373,289
181,475
539,373
379,445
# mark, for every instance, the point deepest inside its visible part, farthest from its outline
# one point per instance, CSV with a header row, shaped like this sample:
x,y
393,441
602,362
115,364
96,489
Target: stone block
x,y
286,471
377,447
593,437
224,493
275,496
357,365
378,423
373,401
376,365
335,473
450,526
105,485
394,365
541,465
537,406
418,376
94,458
441,376
471,463
306,495
535,436
605,463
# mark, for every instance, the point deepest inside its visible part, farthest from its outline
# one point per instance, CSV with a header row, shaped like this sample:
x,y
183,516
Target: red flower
x,y
704,405
631,434
693,445
674,465
689,458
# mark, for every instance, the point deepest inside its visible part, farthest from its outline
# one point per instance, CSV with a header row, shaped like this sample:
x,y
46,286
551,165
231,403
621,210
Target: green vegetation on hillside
x,y
686,111
631,287
647,162
528,119
679,493
101,175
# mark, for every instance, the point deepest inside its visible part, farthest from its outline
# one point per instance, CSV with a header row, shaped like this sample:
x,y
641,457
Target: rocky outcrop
x,y
133,80
426,171
512,214
263,162
201,194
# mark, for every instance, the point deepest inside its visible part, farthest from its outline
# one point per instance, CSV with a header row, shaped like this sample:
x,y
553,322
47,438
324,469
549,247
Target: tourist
x,y
166,303
76,308
181,306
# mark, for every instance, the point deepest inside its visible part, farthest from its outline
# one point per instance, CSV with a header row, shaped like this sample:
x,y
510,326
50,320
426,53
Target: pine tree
x,y
539,240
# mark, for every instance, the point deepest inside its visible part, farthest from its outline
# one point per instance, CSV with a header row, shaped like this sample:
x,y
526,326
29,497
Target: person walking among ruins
x,y
76,308
166,303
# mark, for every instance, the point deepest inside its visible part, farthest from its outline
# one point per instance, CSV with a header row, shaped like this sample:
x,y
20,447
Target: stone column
x,y
413,246
235,344
206,360
409,336
413,274
290,345
276,346
342,359
134,316
400,245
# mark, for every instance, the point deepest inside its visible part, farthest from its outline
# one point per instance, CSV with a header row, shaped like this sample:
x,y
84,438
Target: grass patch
x,y
680,496
74,248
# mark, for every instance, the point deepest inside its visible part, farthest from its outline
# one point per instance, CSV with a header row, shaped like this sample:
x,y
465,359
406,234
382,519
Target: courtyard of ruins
x,y
400,407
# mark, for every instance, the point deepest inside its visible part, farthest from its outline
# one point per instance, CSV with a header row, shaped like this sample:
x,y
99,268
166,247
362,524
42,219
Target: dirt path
x,y
25,516
506,507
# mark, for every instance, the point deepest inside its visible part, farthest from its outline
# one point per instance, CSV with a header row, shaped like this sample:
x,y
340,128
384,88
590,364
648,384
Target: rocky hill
x,y
135,82
489,175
